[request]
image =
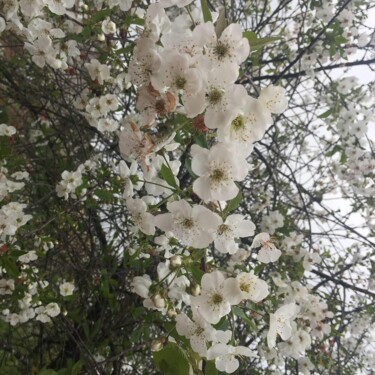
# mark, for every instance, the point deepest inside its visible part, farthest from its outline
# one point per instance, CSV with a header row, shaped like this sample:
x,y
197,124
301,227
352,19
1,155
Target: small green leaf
x,y
47,371
134,20
234,203
339,39
221,23
210,368
11,267
200,139
335,149
258,43
86,329
77,367
207,17
325,114
170,327
223,324
240,313
263,41
104,195
99,16
250,35
197,274
104,286
188,168
168,176
343,158
172,360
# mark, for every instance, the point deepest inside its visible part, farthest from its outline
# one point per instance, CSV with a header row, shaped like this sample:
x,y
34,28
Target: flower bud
x,y
158,301
157,345
175,262
195,290
101,37
108,27
172,313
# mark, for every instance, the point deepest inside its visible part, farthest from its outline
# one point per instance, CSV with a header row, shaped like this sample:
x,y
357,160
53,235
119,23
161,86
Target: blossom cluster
x,y
187,68
186,72
12,214
72,181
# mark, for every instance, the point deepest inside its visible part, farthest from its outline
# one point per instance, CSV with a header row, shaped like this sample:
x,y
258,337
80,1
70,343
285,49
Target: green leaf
x,y
206,11
234,203
201,140
250,35
170,327
223,324
335,149
86,329
188,168
325,114
104,195
77,367
104,286
339,39
210,368
258,43
168,176
240,313
297,271
172,360
221,23
4,118
197,274
99,16
11,267
343,158
47,371
134,20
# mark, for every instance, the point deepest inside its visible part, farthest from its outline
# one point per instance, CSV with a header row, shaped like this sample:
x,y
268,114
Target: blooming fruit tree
x,y
162,188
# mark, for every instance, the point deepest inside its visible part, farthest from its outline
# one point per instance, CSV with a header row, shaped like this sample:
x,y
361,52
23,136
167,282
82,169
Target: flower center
x,y
180,83
221,50
238,123
214,96
217,175
199,331
245,287
160,106
188,223
217,299
172,242
223,228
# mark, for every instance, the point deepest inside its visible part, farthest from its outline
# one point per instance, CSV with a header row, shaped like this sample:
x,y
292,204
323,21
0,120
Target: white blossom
x,y
274,99
225,356
98,71
7,130
235,226
280,323
217,296
142,219
66,288
217,170
192,225
268,251
59,6
252,287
